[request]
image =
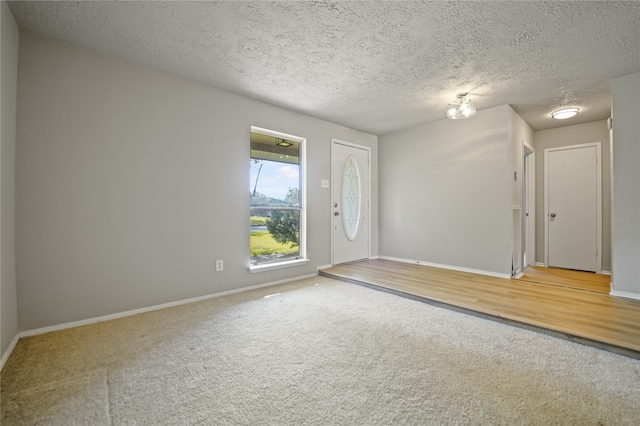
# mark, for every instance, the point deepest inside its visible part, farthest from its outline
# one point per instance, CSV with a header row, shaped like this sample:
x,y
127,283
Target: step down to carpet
x,y
387,287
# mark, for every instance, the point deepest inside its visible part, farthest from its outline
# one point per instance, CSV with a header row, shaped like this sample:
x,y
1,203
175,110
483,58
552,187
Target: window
x,y
277,210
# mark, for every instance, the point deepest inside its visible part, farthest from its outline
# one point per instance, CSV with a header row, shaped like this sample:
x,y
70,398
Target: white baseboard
x,y
519,275
540,264
103,318
7,353
625,294
453,268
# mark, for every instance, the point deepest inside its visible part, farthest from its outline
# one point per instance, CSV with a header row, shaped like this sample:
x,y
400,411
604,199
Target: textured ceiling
x,y
370,65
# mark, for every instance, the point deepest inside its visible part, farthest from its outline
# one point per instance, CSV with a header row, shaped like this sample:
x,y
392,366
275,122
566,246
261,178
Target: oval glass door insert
x,y
351,198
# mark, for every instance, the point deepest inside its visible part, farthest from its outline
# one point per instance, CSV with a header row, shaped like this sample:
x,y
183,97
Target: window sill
x,y
279,265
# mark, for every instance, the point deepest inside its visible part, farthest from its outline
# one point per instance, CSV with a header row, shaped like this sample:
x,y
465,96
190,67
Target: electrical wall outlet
x,y
219,265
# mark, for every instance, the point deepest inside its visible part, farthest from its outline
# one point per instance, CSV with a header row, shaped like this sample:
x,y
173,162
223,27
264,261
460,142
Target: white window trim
x,y
302,259
277,265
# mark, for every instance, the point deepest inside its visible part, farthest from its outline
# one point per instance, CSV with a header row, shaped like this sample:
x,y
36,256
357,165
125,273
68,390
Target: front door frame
x,y
335,141
598,147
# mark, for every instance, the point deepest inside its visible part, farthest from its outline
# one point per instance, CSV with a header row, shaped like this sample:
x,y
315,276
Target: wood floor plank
x,y
589,315
567,278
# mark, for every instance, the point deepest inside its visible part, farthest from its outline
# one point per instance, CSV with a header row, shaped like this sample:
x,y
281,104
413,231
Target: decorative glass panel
x,y
351,198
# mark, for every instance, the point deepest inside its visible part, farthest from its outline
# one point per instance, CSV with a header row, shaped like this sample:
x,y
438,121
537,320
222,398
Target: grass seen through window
x,y
263,244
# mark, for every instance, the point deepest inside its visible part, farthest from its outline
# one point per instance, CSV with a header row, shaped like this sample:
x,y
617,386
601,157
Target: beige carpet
x,y
319,352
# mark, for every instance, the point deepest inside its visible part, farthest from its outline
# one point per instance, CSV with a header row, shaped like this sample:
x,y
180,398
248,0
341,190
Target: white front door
x,y
573,207
350,201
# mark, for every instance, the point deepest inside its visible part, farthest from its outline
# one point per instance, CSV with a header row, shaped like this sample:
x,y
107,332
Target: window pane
x,y
274,184
275,235
265,147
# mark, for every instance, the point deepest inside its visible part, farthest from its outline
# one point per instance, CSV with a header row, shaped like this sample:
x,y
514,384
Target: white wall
x,y
596,131
9,84
625,108
444,193
132,181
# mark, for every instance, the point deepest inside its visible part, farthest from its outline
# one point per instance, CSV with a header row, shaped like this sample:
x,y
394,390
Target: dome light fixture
x,y
462,108
563,114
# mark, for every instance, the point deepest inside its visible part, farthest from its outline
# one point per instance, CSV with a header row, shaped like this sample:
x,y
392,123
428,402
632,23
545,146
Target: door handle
x,y
552,215
336,213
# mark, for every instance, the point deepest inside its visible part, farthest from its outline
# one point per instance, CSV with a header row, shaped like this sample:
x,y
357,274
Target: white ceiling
x,y
371,65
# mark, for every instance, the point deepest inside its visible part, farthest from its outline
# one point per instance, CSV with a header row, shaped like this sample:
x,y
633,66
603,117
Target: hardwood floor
x,y
567,278
588,317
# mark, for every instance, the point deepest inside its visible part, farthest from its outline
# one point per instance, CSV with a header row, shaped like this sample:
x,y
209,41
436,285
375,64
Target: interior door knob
x,y
552,215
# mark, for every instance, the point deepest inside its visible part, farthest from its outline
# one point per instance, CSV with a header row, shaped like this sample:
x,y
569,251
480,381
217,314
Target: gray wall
x,y
9,84
625,94
132,181
445,194
596,131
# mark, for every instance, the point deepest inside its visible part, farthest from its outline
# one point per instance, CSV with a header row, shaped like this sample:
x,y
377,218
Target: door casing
x,y
529,212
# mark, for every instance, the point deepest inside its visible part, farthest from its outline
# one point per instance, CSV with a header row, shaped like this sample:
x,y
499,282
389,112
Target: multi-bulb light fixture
x,y
462,108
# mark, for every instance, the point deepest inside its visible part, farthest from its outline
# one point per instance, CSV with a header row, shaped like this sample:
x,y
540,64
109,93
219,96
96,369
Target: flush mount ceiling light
x,y
565,113
462,108
283,142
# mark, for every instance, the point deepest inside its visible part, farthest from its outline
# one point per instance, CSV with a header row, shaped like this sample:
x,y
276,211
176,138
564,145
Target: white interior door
x,y
350,202
573,208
